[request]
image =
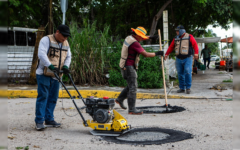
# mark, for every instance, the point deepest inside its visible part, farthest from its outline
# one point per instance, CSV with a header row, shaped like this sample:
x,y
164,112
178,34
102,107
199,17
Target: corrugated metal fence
x,y
21,42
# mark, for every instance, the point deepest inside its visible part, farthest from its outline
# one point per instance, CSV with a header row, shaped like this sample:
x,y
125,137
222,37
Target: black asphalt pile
x,y
161,109
149,136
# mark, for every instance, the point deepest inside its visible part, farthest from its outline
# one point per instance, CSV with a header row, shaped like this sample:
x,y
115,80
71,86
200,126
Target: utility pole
x,y
50,18
165,37
64,6
227,44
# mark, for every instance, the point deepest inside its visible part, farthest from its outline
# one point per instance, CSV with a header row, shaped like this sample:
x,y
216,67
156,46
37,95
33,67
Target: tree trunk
x,y
50,18
40,34
91,9
147,11
156,18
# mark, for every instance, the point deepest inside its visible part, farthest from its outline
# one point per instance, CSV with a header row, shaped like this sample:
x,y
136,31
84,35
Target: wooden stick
x,y
163,72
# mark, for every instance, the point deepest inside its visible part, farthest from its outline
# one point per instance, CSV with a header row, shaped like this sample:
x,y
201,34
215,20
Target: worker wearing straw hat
x,y
129,64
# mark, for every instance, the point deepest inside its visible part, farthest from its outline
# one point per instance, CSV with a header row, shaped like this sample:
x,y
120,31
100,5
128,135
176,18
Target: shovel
x,y
163,73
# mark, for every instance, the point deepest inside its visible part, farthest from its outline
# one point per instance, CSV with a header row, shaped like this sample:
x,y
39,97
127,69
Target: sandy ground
x,y
210,122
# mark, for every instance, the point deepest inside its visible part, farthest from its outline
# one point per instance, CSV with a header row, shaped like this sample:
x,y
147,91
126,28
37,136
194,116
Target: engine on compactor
x,y
101,109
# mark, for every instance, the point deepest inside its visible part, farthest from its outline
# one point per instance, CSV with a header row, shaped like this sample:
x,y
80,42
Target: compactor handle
x,y
84,121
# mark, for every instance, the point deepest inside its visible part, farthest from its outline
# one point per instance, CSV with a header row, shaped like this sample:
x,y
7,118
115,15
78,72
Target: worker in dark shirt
x,y
206,55
185,47
129,64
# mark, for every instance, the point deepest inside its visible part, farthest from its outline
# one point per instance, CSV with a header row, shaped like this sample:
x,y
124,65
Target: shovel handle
x,y
163,72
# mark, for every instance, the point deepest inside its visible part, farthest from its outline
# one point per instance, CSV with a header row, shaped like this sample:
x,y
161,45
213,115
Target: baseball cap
x,y
179,27
64,30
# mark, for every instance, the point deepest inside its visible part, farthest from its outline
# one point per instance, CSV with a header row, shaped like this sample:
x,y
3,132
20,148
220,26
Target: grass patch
x,y
229,80
1,147
24,148
220,73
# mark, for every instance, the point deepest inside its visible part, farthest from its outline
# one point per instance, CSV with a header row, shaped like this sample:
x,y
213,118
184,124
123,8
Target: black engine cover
x,y
98,108
101,116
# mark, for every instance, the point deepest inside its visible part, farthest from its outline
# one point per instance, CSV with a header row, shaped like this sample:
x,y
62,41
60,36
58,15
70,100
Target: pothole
x,y
161,109
149,136
143,136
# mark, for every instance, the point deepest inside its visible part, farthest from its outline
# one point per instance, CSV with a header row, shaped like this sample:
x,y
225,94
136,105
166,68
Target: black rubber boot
x,y
132,109
180,91
120,104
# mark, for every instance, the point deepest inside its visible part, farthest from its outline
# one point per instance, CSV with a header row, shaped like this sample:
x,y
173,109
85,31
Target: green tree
x,y
229,46
236,12
26,13
33,13
214,47
198,14
193,14
123,15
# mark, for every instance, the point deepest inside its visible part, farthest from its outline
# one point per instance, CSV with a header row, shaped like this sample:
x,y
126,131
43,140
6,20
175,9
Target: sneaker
x,y
52,124
40,126
188,91
180,91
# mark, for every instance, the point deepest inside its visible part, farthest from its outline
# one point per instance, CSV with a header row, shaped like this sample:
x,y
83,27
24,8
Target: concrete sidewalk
x,y
200,89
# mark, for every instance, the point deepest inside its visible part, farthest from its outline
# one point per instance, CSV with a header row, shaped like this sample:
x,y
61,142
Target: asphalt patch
x,y
161,109
149,136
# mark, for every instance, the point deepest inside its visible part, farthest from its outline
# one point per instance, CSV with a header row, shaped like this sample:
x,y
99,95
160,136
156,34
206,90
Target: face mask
x,y
181,31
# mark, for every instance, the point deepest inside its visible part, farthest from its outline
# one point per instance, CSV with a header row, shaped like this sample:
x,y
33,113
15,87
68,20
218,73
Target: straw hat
x,y
140,31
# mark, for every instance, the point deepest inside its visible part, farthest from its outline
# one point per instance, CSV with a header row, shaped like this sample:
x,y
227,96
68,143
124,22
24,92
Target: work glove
x,y
159,53
154,37
54,69
65,69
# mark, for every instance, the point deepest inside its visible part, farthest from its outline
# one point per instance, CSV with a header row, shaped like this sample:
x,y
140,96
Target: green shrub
x,y
150,72
229,80
89,53
94,51
116,78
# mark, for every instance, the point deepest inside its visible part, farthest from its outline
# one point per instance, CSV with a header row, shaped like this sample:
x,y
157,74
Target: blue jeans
x,y
48,90
205,60
184,69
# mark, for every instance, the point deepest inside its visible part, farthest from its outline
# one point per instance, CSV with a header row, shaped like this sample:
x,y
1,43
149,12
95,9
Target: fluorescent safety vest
x,y
182,45
56,55
124,54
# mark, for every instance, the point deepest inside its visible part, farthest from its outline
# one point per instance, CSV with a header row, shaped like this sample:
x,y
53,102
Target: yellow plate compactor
x,y
106,121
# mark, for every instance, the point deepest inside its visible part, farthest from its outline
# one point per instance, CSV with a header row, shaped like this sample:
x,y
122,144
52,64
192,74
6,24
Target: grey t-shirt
x,y
42,55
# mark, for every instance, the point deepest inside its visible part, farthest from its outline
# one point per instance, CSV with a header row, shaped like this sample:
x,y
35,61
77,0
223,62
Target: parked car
x,y
214,58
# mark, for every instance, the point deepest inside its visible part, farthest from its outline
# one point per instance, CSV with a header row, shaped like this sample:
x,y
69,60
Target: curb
x,y
96,93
